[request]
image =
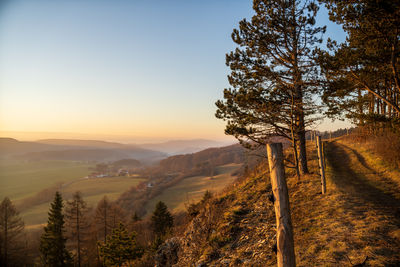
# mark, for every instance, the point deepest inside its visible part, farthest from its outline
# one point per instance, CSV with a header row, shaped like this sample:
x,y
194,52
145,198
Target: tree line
x,y
76,235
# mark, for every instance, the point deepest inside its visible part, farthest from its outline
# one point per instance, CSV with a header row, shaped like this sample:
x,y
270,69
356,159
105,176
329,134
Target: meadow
x,y
31,185
22,179
92,191
192,189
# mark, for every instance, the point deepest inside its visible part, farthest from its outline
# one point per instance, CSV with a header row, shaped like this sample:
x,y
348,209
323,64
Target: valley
x,y
30,178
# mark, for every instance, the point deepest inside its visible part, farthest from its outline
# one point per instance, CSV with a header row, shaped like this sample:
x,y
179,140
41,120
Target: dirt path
x,y
371,204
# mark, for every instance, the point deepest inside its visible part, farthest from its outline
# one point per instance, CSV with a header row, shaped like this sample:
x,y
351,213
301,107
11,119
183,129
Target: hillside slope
x,y
177,147
358,217
175,169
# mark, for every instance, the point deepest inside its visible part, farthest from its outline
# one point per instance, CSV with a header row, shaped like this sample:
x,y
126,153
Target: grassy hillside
x,y
192,189
92,191
358,217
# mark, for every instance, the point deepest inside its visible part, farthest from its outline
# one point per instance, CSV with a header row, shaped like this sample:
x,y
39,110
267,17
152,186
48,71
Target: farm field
x,y
92,191
192,189
22,179
31,185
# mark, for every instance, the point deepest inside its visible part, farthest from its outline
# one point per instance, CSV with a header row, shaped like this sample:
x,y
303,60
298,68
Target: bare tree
x,y
77,223
11,228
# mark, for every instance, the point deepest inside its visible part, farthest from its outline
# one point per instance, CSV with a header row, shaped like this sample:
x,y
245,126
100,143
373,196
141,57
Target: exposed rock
x,y
167,254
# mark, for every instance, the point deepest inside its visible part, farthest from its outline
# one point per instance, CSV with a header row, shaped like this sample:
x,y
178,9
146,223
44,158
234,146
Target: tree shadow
x,y
361,159
351,182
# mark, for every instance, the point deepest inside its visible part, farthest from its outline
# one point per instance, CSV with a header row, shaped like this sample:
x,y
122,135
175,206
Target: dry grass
x,y
192,189
358,217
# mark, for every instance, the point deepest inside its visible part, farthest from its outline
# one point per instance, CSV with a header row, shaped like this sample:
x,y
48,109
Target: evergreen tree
x,y
120,247
52,242
11,228
363,73
274,77
161,221
77,223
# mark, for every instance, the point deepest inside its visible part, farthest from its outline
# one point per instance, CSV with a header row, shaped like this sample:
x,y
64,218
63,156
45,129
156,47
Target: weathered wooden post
x,y
284,230
321,164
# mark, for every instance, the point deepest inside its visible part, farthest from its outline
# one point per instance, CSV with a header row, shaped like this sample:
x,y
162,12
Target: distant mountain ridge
x,y
69,149
96,150
176,147
81,143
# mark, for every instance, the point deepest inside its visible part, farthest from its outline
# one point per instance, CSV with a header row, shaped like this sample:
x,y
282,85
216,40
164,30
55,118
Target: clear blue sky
x,y
132,70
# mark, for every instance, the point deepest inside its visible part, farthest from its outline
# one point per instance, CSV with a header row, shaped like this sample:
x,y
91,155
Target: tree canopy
x,y
363,77
161,222
274,78
120,247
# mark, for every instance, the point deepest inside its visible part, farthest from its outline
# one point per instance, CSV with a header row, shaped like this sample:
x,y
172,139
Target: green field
x,y
192,189
22,181
92,191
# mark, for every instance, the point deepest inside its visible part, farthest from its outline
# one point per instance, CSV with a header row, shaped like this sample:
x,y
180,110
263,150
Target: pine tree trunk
x,y
303,152
301,135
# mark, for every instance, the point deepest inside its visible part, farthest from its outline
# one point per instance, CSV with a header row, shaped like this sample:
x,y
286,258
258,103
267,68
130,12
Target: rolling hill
x,y
176,147
65,149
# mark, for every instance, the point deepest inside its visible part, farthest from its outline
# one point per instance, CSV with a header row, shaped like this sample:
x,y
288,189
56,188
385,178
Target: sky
x,y
132,71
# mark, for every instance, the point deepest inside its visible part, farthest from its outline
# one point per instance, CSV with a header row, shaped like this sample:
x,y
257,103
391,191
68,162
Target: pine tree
x,y
120,247
77,223
52,242
11,228
161,221
363,73
274,77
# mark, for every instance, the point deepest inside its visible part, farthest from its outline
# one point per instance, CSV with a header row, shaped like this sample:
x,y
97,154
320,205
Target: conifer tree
x,y
52,242
161,221
274,77
77,223
120,247
363,73
11,228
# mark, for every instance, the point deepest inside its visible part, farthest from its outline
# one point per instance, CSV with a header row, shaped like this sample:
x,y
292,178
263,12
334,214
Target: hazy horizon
x,y
36,136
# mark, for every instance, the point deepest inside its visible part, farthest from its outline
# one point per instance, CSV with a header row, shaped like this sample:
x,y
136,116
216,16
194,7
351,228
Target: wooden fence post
x,y
321,164
284,230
